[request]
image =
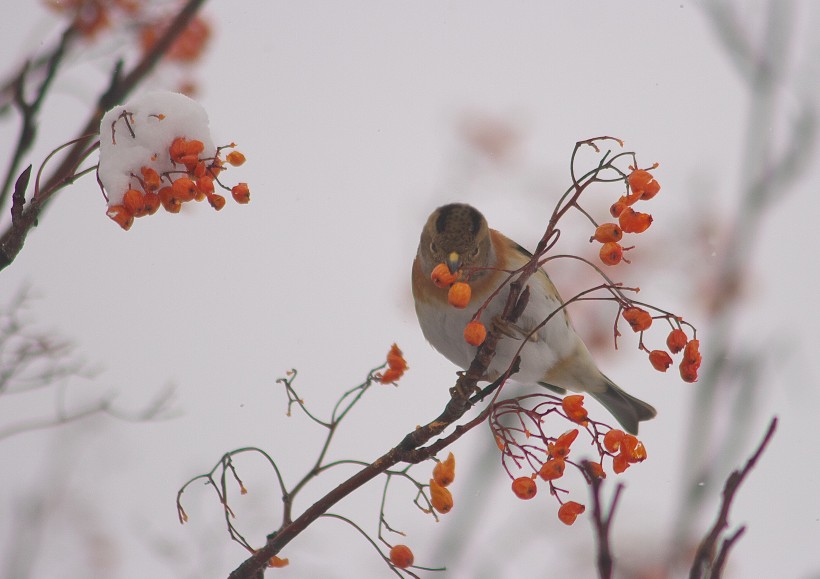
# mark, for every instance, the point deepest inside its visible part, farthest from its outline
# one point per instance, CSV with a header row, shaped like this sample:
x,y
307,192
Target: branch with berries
x,y
530,451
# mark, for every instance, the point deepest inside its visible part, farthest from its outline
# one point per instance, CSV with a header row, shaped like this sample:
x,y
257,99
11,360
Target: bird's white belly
x,y
444,329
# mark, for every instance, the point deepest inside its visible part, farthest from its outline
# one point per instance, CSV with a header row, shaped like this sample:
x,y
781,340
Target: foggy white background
x,y
349,114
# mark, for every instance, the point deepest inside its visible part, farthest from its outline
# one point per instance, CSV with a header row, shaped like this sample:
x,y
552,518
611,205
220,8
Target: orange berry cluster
x,y
195,183
525,488
187,47
396,366
459,295
624,449
93,16
677,340
642,186
444,473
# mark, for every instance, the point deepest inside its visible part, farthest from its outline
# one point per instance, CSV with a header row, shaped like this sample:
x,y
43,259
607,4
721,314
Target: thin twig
x,y
30,110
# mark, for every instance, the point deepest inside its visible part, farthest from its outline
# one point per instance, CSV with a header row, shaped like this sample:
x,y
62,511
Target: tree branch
x,y
705,563
601,522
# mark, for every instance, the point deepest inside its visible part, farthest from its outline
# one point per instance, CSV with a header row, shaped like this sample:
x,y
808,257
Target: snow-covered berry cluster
x,y
157,151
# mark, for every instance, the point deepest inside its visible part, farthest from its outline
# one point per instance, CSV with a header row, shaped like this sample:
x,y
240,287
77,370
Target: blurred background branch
x,y
780,140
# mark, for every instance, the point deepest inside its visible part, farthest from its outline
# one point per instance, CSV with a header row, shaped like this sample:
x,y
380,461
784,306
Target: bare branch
x,y
30,110
602,521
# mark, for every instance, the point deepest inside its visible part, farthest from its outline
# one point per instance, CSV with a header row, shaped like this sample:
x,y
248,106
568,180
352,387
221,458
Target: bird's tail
x,y
626,409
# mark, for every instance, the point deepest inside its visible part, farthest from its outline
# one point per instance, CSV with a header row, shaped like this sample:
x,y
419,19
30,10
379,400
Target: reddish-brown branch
x,y
30,110
705,563
411,449
601,522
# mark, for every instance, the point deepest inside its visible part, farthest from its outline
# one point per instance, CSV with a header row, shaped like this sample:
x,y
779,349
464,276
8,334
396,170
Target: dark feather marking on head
x,y
443,216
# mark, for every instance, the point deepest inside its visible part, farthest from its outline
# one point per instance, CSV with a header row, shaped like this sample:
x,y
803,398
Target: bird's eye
x,y
474,253
433,248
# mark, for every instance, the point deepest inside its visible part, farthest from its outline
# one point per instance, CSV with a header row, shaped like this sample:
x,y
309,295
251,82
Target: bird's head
x,y
457,235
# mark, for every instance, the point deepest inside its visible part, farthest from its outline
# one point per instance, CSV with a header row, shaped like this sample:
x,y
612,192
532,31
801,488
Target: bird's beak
x,y
453,262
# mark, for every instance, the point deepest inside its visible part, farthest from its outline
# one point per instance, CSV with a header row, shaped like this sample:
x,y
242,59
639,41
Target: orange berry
x,y
596,470
611,253
205,185
150,178
633,449
440,498
652,188
277,562
691,361
618,207
186,152
660,360
573,406
524,488
612,440
177,149
639,179
445,471
569,511
639,319
475,333
401,556
676,340
395,359
184,189
200,169
121,216
169,200
216,201
441,276
152,202
688,372
608,232
560,449
638,454
235,158
194,147
552,469
633,221
390,375
691,353
134,202
241,194
620,463
459,295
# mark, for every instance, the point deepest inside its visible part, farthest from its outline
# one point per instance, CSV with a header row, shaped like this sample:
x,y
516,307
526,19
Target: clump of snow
x,y
138,134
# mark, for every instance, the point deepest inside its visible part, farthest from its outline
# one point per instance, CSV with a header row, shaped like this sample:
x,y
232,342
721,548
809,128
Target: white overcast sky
x,y
348,115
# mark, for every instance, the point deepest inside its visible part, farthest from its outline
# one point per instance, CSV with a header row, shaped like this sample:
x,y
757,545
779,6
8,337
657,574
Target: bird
x,y
554,356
